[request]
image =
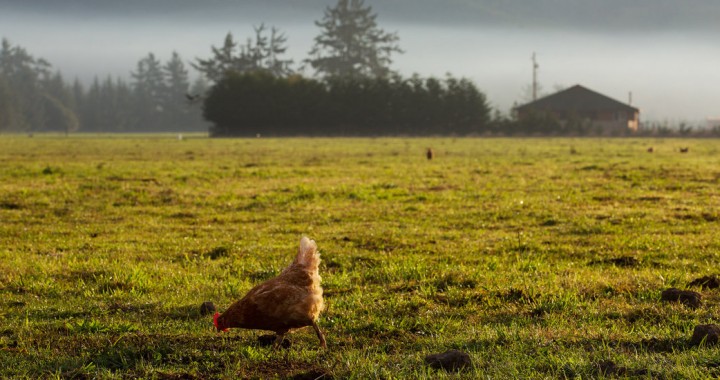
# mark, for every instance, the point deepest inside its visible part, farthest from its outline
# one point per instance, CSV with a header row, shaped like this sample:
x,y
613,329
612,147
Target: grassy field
x,y
541,258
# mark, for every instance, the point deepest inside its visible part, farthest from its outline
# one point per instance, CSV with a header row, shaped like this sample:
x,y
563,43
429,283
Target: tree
x,y
38,100
177,84
149,88
260,54
58,103
7,108
276,46
351,44
222,61
258,102
23,75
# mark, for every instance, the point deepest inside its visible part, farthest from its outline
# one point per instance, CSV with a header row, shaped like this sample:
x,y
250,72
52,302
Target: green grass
x,y
497,247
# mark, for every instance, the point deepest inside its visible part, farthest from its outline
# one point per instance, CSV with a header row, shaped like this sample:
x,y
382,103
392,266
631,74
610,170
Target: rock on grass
x,y
207,308
705,334
687,297
451,360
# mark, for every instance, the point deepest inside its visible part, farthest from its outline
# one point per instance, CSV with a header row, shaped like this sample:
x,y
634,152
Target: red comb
x,y
215,322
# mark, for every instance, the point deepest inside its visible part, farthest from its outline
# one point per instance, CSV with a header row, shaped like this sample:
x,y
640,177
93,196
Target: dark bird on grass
x,y
684,150
429,154
650,150
290,301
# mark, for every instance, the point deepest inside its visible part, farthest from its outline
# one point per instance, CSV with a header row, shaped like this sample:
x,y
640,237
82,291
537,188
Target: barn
x,y
577,103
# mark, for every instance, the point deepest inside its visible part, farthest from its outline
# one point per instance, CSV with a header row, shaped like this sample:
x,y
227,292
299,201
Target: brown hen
x,y
289,301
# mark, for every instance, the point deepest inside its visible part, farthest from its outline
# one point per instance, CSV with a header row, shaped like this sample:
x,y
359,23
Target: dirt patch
x,y
451,360
217,253
313,375
9,205
126,307
707,282
287,370
269,340
516,295
650,199
610,369
622,261
183,215
686,297
705,335
442,188
212,254
175,376
452,280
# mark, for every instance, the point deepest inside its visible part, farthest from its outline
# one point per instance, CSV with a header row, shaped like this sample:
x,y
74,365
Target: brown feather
x,y
289,301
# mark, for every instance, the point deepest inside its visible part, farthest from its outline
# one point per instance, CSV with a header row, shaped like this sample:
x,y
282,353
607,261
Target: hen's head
x,y
218,323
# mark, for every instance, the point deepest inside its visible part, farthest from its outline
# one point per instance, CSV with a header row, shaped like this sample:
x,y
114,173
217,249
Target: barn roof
x,y
579,99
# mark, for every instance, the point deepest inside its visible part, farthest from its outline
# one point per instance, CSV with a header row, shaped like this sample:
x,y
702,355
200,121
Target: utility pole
x,y
534,83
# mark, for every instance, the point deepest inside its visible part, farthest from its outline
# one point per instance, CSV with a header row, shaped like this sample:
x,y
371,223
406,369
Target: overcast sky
x,y
665,52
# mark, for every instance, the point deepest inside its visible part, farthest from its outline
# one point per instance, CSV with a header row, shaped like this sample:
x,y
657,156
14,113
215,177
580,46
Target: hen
x,y
289,301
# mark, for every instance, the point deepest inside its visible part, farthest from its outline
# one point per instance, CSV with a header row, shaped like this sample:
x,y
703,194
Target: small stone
x,y
207,308
687,297
705,334
451,360
707,282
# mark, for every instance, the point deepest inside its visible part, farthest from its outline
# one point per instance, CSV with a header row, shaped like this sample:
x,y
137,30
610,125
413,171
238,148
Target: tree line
x,y
353,92
345,86
34,98
247,104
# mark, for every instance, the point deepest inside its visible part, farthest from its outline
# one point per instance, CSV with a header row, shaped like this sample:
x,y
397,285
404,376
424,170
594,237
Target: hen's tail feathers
x,y
308,255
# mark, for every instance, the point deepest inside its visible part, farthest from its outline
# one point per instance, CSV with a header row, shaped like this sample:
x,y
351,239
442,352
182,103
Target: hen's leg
x,y
319,334
278,340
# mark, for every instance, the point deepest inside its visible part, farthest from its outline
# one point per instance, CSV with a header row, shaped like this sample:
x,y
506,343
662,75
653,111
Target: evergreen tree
x,y
78,96
177,84
58,105
258,102
265,52
216,67
23,74
258,54
150,91
91,107
118,111
7,108
351,44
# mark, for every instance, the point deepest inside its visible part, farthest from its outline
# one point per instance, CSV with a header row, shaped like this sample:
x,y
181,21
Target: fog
x,y
672,71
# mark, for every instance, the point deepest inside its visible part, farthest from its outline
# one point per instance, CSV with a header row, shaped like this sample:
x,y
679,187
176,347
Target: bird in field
x,y
684,150
429,154
290,301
